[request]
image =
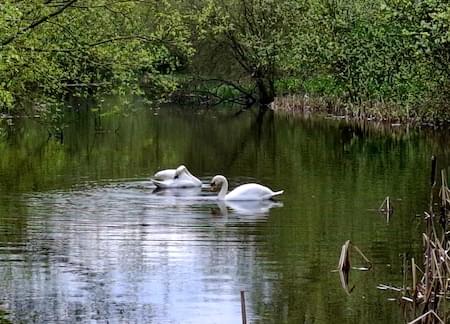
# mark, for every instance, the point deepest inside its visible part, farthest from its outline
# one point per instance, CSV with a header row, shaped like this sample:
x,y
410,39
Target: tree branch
x,y
230,83
86,46
38,22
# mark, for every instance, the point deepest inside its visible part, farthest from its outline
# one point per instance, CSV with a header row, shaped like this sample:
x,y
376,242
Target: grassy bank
x,y
431,114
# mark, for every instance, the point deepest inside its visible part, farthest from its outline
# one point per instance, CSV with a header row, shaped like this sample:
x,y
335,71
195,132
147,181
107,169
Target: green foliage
x,y
382,51
390,51
79,47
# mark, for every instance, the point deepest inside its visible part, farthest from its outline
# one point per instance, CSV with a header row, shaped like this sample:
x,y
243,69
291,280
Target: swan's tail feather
x,y
276,193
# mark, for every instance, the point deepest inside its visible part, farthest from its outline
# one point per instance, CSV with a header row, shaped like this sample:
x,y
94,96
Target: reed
x,y
362,110
344,260
426,300
386,208
344,265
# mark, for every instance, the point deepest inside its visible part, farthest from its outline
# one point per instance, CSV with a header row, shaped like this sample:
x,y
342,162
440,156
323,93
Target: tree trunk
x,y
266,91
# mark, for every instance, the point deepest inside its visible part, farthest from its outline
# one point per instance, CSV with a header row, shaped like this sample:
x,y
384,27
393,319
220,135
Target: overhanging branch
x,y
38,22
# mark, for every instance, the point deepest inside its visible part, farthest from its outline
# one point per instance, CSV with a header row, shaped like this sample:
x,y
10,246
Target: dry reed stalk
x,y
386,208
386,287
362,255
344,265
344,259
444,193
414,275
427,297
427,316
433,171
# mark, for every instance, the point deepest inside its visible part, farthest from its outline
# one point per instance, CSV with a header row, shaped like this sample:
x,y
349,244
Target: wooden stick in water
x,y
243,311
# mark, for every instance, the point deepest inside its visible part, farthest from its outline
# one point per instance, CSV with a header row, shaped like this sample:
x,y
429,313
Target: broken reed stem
x,y
404,274
444,190
432,181
344,265
243,310
430,292
436,269
427,314
362,255
414,278
388,207
444,194
382,207
433,171
413,268
344,259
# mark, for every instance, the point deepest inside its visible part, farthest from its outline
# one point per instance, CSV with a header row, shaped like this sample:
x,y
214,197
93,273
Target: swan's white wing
x,y
188,177
251,191
164,175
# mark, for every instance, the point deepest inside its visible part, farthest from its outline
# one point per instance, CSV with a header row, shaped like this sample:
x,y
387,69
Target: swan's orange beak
x,y
213,187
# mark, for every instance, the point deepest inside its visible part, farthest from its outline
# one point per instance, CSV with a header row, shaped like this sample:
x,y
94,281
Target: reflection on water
x,y
84,235
192,196
131,253
250,208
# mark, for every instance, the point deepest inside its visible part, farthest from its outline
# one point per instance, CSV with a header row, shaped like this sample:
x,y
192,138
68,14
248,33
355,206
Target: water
x,y
85,237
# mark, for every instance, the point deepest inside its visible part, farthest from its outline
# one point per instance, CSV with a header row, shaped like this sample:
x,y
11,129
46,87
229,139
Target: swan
x,y
249,191
175,178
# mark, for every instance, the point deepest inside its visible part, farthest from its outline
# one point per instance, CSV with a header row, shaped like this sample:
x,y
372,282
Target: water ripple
x,y
123,251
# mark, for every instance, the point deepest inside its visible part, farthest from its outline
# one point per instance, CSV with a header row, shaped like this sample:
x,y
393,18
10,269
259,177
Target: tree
x,y
255,35
52,48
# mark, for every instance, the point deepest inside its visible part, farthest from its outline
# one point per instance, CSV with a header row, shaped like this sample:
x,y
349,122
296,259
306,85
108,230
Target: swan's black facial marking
x,y
176,176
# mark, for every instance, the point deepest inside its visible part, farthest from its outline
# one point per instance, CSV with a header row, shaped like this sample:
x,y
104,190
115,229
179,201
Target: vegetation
x,y
383,53
53,48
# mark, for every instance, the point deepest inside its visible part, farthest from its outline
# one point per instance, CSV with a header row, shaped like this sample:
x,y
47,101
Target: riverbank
x,y
393,114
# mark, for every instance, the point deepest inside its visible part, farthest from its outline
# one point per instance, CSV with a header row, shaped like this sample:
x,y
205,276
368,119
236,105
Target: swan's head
x,y
179,171
217,182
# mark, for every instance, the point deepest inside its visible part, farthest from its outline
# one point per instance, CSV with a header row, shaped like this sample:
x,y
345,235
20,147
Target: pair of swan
x,y
182,178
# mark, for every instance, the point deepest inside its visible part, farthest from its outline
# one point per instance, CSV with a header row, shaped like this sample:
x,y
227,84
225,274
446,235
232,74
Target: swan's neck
x,y
223,189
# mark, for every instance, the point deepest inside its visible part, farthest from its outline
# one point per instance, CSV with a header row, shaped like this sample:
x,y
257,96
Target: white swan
x,y
249,191
175,178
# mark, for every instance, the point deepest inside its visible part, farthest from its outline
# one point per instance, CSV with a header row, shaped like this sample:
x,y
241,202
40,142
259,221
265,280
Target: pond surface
x,y
85,237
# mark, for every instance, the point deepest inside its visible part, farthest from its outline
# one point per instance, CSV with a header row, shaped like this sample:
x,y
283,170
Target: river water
x,y
85,237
